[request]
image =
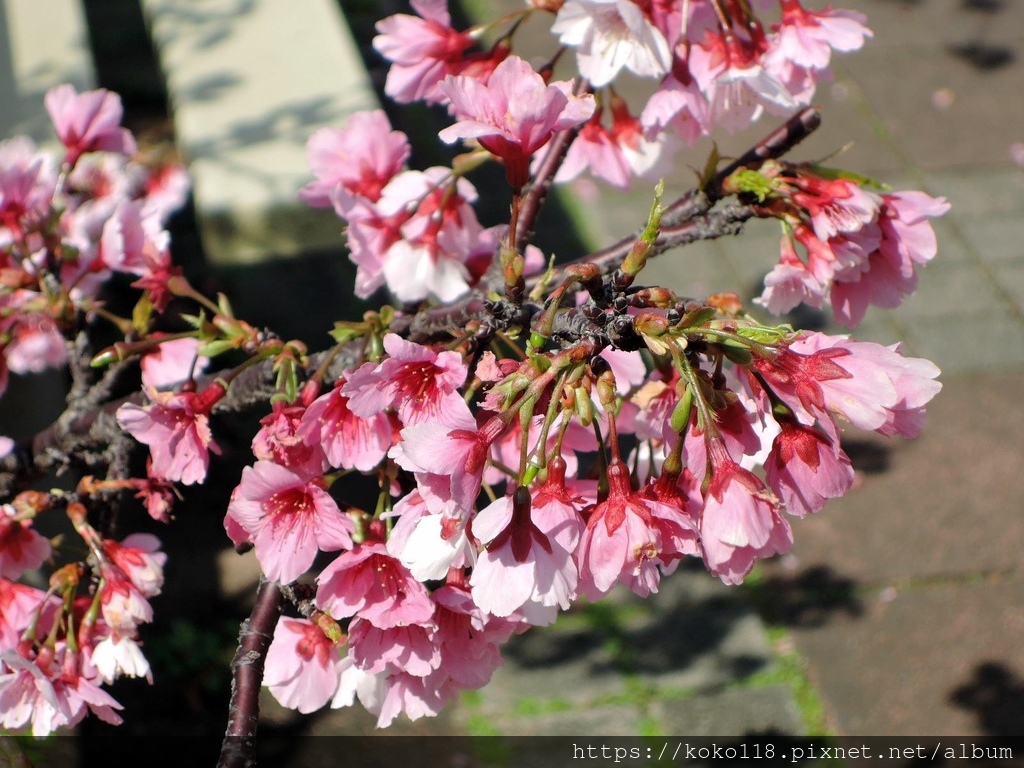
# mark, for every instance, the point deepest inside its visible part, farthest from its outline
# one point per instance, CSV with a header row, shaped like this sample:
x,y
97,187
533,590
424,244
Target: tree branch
x,y
239,747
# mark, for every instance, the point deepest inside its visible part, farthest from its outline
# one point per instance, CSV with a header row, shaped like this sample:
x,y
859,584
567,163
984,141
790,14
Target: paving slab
x,y
595,721
732,712
937,659
947,504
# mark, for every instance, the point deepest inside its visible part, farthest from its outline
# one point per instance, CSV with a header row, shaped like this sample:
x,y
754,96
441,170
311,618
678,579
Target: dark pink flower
x,y
370,582
281,440
348,440
21,548
88,121
176,427
289,519
514,114
420,383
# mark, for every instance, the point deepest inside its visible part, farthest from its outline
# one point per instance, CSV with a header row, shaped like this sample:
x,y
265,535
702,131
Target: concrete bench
x,y
249,81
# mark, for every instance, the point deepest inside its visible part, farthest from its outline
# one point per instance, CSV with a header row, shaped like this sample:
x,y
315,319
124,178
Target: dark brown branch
x,y
698,202
239,747
543,180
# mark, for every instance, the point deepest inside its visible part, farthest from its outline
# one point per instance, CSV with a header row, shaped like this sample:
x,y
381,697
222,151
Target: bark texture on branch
x,y
239,747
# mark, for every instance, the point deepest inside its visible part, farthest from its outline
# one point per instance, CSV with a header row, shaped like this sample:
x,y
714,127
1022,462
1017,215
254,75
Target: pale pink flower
x,y
514,114
740,522
882,391
356,682
420,383
359,159
519,562
835,206
807,38
88,121
737,86
19,605
621,542
807,467
28,179
413,696
469,640
448,458
677,105
50,691
21,548
368,581
423,51
172,362
122,604
117,655
176,427
289,519
133,238
349,441
427,543
609,36
302,665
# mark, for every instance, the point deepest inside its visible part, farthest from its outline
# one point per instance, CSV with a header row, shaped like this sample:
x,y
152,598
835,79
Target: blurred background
x,y
900,610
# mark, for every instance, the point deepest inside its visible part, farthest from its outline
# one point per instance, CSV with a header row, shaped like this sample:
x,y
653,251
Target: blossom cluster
x,y
68,223
529,450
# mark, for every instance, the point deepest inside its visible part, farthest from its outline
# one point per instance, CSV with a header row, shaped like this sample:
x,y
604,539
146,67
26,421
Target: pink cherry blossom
x,y
679,105
469,641
139,558
88,121
301,666
883,390
348,440
735,83
519,562
514,114
176,427
740,522
172,362
21,548
368,581
289,519
282,440
807,467
406,648
621,542
612,35
448,458
423,51
122,604
420,383
807,38
359,159
429,544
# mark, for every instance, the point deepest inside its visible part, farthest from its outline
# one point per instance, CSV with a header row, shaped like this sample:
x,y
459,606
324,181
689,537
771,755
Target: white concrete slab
x,y
249,81
43,43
